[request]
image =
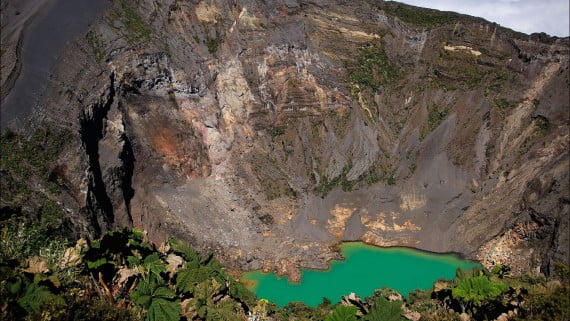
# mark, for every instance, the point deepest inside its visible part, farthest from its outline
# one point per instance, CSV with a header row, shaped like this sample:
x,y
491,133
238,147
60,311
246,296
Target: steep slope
x,y
270,131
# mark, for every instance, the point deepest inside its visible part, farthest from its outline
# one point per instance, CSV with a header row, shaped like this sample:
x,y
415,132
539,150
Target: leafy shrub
x,y
474,291
21,240
326,186
342,313
213,44
372,69
160,302
278,130
421,17
22,158
97,46
136,29
198,288
384,310
436,116
553,306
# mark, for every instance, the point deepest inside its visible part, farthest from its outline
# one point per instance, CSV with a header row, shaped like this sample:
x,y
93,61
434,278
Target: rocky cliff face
x,y
268,131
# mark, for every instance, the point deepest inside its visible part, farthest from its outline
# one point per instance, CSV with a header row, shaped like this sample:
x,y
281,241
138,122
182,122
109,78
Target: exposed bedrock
x,y
270,131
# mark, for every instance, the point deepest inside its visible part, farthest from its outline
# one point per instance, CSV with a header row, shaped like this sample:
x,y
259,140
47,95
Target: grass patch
x,y
277,130
97,46
390,179
341,120
137,30
420,17
380,173
436,115
541,127
503,104
326,185
372,69
213,44
372,178
22,160
474,76
460,70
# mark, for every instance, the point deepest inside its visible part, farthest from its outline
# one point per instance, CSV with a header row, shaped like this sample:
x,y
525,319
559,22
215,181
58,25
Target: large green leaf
x,y
384,310
241,293
187,279
153,265
142,295
133,261
206,290
92,265
224,311
164,293
163,310
477,289
37,296
144,291
342,313
141,299
158,299
184,250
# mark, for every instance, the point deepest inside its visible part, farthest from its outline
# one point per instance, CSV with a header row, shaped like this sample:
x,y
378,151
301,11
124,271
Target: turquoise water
x,y
364,269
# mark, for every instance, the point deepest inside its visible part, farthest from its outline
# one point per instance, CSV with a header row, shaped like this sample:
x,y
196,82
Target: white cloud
x,y
528,16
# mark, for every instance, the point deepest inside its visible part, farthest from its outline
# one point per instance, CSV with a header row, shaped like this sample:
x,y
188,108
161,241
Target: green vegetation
x,y
541,126
380,173
277,130
474,76
29,176
384,310
500,77
372,177
436,115
25,157
326,185
121,272
372,69
390,179
137,31
503,104
342,313
213,44
420,17
341,119
97,46
124,277
472,292
462,70
160,302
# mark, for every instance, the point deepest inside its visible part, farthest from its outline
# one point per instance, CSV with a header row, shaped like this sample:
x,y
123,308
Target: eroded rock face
x,y
270,131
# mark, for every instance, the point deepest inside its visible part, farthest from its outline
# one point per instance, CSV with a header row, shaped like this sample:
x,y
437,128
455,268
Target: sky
x,y
528,16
